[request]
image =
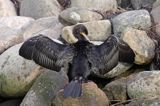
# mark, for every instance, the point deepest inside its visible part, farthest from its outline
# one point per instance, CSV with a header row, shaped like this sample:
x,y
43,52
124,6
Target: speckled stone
x,y
45,89
135,19
144,85
16,73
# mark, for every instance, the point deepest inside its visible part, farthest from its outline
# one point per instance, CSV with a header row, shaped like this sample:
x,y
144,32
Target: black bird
x,y
82,57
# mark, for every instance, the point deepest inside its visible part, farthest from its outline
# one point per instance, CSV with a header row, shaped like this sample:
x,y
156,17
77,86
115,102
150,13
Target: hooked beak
x,y
85,36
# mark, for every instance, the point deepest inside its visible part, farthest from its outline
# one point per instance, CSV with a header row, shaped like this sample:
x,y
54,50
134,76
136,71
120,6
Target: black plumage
x,y
82,57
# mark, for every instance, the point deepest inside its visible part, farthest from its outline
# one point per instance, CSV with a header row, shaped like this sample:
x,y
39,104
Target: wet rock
x,y
117,90
137,4
156,17
7,8
100,5
145,102
76,15
97,30
49,26
44,89
135,19
92,96
39,8
14,102
144,85
11,31
16,73
141,44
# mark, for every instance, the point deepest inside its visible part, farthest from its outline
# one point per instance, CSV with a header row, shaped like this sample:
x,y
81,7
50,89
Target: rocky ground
x,y
137,22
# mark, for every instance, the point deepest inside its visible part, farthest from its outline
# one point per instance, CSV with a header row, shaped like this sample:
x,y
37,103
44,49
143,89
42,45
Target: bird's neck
x,y
81,46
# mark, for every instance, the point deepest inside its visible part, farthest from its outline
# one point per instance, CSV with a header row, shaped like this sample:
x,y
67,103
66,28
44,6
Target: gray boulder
x,y
16,73
12,30
145,102
144,85
100,5
137,4
16,22
117,90
39,8
44,89
7,8
135,19
155,13
76,15
49,26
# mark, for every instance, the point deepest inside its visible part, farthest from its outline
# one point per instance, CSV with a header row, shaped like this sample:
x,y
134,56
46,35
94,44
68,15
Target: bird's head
x,y
80,32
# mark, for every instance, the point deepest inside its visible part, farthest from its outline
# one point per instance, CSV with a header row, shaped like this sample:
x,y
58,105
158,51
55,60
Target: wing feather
x,y
126,54
46,52
105,56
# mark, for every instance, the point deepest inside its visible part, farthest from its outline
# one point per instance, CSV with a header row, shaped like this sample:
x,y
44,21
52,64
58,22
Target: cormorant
x,y
82,57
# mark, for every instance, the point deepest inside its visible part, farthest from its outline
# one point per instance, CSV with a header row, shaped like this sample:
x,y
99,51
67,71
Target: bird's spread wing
x,y
126,54
105,56
46,52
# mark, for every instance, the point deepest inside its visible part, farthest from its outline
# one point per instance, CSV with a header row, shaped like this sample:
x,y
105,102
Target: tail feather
x,y
73,89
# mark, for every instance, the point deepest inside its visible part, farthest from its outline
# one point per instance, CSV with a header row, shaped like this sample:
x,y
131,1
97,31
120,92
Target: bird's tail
x,y
74,88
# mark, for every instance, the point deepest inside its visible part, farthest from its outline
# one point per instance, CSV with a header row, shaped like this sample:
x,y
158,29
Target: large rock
x,y
92,96
16,22
78,15
135,19
11,32
144,85
16,73
39,8
44,89
145,102
142,45
117,90
100,5
156,17
97,30
9,37
49,26
7,8
137,4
